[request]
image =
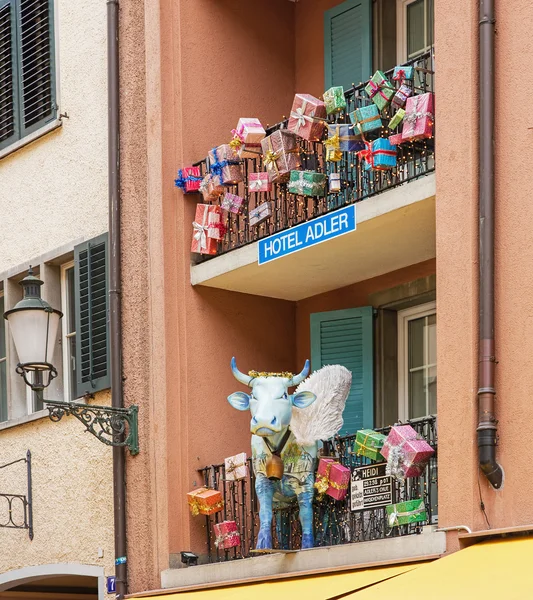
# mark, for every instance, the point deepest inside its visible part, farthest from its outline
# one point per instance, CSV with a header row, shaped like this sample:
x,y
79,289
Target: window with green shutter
x,y
27,70
348,43
92,322
345,337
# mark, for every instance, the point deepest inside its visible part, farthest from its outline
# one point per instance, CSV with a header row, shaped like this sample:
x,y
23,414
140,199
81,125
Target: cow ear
x,y
303,399
239,400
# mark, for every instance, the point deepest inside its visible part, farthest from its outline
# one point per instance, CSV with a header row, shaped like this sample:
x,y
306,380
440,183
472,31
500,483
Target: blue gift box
x,y
366,118
383,154
349,137
402,72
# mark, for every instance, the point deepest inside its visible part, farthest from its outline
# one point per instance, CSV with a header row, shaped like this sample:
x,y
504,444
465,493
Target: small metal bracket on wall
x,y
112,426
19,506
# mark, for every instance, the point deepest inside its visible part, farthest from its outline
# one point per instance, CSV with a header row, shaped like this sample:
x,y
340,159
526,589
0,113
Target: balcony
x,y
388,210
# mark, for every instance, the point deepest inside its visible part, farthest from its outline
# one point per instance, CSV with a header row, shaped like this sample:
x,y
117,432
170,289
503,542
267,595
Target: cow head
x,y
269,401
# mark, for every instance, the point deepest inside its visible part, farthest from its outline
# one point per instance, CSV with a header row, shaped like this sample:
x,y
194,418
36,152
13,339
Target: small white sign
x,y
370,487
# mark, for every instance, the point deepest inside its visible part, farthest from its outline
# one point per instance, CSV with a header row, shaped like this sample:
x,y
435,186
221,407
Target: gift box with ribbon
x,y
259,182
207,229
403,513
366,118
224,162
308,117
260,213
307,183
247,137
343,137
334,100
403,73
281,155
334,182
397,118
395,139
232,203
400,97
332,479
380,90
226,535
369,443
211,187
188,179
406,452
380,155
419,117
236,467
205,501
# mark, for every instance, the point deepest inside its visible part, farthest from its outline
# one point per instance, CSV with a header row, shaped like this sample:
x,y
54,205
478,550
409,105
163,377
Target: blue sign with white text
x,y
307,234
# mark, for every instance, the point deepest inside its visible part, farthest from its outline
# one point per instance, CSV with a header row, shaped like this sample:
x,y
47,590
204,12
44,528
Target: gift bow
x,y
233,466
393,517
400,75
333,147
270,159
256,184
222,537
378,88
180,181
220,226
301,117
200,234
366,154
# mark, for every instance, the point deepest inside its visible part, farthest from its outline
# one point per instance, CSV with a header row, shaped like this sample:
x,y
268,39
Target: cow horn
x,y
245,379
299,378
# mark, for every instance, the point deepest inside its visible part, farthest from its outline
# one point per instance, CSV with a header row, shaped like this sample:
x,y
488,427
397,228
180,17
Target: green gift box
x,y
397,119
380,90
366,118
307,183
334,100
369,443
403,513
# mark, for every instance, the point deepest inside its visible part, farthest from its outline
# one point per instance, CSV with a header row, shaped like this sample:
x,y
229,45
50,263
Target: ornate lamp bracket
x,y
112,426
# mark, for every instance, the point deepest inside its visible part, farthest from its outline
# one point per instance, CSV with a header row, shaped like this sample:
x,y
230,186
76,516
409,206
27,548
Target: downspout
x,y
487,423
115,316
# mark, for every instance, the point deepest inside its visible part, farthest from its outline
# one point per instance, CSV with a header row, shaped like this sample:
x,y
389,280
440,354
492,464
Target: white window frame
x,y
64,335
404,316
4,359
401,30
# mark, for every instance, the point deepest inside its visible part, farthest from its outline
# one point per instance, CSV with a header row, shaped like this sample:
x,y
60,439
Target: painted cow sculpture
x,y
271,407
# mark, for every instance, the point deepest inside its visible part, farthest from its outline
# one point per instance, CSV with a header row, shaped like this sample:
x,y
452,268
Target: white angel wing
x,y
323,419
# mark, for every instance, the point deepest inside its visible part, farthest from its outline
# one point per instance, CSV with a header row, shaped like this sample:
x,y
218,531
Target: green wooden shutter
x,y
9,132
348,43
92,323
345,337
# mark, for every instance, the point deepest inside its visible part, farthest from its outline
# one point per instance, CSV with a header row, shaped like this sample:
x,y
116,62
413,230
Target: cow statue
x,y
284,463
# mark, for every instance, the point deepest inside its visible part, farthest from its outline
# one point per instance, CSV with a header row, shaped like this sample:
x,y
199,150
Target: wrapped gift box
x,y
403,513
232,203
281,155
397,119
334,100
349,139
395,139
308,116
334,182
406,452
400,97
419,117
383,154
332,478
211,187
236,467
259,182
189,179
307,183
226,535
224,162
369,443
380,90
401,73
247,138
205,501
260,213
366,118
206,229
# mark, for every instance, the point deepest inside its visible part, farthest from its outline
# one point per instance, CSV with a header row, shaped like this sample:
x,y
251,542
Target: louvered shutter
x,y
8,69
348,43
36,64
92,323
345,337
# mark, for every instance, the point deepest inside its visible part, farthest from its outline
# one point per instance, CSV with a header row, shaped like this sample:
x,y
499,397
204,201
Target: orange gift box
x,y
205,501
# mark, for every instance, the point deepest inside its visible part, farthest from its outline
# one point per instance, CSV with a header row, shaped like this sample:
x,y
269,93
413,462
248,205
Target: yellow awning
x,y
496,569
318,587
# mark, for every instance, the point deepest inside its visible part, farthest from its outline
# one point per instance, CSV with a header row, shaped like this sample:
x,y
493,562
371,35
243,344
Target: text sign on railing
x,y
371,487
305,235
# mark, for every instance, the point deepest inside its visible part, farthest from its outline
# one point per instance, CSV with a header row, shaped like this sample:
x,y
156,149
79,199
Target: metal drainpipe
x,y
487,425
115,317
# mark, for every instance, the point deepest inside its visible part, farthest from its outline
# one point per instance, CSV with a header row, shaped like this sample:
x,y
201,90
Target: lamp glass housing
x,y
34,333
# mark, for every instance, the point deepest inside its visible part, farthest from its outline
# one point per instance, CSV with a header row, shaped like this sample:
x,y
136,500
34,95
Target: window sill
x,y
31,138
36,416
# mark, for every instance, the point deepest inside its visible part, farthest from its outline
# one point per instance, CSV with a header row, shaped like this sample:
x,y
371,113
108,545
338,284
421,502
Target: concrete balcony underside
x,y
395,229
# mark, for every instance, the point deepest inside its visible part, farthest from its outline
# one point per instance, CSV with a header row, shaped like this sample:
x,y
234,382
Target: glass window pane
x,y
431,331
415,27
429,22
416,343
432,390
3,391
71,320
2,329
417,394
72,366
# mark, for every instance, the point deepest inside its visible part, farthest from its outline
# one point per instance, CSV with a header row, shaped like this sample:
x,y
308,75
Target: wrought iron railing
x,y
414,159
335,522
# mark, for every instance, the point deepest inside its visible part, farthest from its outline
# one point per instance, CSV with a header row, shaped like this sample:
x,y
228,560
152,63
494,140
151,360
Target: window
x,y
415,28
27,70
3,364
417,362
68,337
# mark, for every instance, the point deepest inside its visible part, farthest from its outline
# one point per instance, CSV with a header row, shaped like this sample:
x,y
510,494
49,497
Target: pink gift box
x,y
419,117
395,139
211,187
259,182
335,476
406,452
250,130
226,535
236,467
207,229
400,97
224,162
232,203
281,155
308,117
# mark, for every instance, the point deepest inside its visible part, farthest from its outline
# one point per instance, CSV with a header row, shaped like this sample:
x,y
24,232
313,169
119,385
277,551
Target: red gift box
x,y
407,453
395,139
419,117
308,117
189,179
207,228
226,535
332,478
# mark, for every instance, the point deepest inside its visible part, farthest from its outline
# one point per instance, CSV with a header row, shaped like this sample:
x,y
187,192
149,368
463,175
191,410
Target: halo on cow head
x,y
292,380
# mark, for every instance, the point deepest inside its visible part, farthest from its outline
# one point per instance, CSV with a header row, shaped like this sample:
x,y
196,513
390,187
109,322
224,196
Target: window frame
x,y
69,387
404,316
401,31
4,360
